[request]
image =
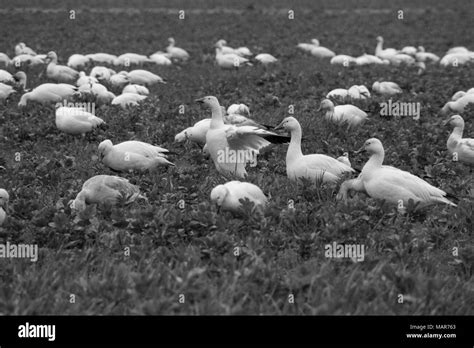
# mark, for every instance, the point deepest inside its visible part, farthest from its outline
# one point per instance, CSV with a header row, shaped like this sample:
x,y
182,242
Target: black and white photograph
x,y
252,160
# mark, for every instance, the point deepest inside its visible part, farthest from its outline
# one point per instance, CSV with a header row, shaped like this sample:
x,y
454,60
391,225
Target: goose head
x,y
220,43
20,76
372,146
209,102
289,124
315,42
455,121
218,195
52,57
379,39
326,105
171,41
105,147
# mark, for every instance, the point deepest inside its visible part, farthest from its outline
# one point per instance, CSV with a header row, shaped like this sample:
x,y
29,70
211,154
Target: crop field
x,y
176,253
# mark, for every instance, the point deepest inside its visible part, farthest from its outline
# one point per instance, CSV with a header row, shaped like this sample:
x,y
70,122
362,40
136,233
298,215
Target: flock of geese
x,y
229,131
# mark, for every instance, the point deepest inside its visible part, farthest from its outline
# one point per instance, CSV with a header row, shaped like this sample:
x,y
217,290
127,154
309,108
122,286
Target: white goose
x,y
5,76
265,58
382,53
393,185
410,50
102,95
230,60
119,80
5,91
340,114
84,79
338,93
102,58
455,59
386,88
21,48
307,47
48,92
144,77
73,120
161,58
312,167
225,49
102,73
128,59
176,52
59,73
196,133
105,190
358,92
343,59
459,105
239,109
367,59
232,147
423,56
322,52
463,148
137,89
128,99
228,196
4,198
4,60
77,61
132,155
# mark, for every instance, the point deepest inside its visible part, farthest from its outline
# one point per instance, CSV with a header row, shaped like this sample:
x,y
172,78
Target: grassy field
x,y
193,251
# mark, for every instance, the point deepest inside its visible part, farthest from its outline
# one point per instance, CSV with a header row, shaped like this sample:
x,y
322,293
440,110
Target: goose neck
x,y
294,149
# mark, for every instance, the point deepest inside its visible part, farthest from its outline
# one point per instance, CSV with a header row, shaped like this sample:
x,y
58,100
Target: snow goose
x,y
132,155
5,76
239,109
21,48
48,92
340,114
4,60
384,53
455,59
322,52
119,80
307,47
458,95
358,92
409,50
245,52
423,56
312,167
232,147
102,58
59,73
24,61
393,185
128,99
225,49
4,198
367,59
463,148
102,73
230,60
228,196
77,61
144,77
105,190
161,58
345,159
137,89
5,91
73,120
84,79
338,93
343,59
100,92
176,52
459,105
386,88
457,49
20,79
265,58
128,59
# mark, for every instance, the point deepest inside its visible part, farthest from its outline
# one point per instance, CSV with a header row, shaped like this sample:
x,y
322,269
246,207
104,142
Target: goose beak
x,y
362,149
280,126
445,122
200,100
